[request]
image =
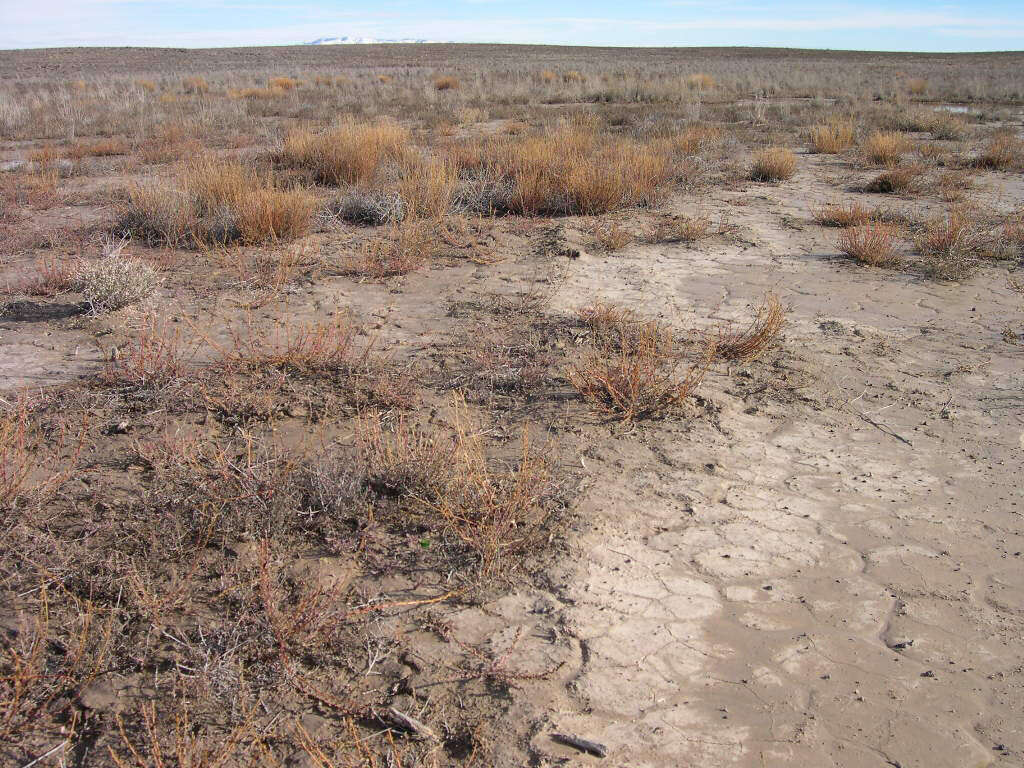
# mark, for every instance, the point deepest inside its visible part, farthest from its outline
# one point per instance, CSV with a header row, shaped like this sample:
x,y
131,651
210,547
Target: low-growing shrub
x,y
952,245
1003,152
684,229
838,215
885,147
832,137
405,248
897,180
446,83
873,243
351,152
217,203
360,206
115,282
773,164
762,332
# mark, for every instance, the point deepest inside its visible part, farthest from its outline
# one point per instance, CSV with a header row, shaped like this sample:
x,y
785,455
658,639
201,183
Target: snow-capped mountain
x,y
346,40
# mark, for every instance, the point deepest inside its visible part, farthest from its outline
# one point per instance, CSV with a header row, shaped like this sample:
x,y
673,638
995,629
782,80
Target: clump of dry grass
x,y
952,245
1003,152
947,126
917,86
217,203
547,76
700,81
611,235
427,185
195,85
153,360
446,83
571,170
696,138
147,85
405,248
351,152
635,369
283,83
762,332
773,164
838,215
101,148
572,76
885,147
832,137
897,180
493,509
16,459
873,243
683,229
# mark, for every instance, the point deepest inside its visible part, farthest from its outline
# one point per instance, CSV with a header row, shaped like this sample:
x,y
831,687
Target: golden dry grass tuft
x,y
571,170
611,235
404,248
195,85
351,152
839,215
635,369
873,243
897,180
761,334
446,83
917,86
1003,152
832,137
700,81
217,203
773,164
952,245
283,83
885,147
683,229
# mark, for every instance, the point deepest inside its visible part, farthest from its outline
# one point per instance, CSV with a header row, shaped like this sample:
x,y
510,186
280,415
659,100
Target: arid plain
x,y
423,405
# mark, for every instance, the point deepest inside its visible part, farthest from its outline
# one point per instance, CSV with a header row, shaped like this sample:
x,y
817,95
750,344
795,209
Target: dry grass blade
x,y
762,333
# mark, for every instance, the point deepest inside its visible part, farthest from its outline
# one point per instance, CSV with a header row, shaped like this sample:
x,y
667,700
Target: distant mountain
x,y
346,40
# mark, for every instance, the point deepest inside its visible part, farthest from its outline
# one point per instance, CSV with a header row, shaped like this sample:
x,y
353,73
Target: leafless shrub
x,y
373,208
1003,152
897,180
115,281
952,245
404,248
762,332
873,243
773,164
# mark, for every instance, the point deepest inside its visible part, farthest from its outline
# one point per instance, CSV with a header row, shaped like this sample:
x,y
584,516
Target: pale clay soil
x,y
823,570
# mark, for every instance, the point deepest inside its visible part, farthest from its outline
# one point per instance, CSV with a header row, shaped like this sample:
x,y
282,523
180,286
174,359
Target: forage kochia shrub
x,y
115,281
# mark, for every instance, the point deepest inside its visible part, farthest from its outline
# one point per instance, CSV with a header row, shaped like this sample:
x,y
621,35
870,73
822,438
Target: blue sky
x,y
982,25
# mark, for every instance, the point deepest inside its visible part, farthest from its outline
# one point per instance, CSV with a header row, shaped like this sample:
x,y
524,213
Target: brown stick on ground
x,y
583,745
411,724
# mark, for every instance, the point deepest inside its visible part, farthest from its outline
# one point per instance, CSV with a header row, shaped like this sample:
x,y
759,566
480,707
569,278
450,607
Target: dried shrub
x,y
115,281
838,215
571,170
103,148
16,458
952,245
700,81
872,243
1003,152
360,206
897,180
572,76
406,247
53,276
832,137
695,139
154,359
885,147
351,152
947,126
611,235
446,83
427,185
283,83
195,85
492,508
773,164
762,332
635,369
217,203
683,229
917,86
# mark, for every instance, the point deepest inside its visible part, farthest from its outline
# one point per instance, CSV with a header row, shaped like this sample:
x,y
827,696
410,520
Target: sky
x,y
898,25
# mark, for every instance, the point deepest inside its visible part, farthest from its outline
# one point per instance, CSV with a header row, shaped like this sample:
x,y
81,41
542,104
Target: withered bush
x,y
952,245
217,203
832,137
1003,152
838,215
873,243
897,180
762,332
885,147
351,152
404,248
773,164
635,369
